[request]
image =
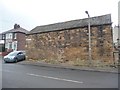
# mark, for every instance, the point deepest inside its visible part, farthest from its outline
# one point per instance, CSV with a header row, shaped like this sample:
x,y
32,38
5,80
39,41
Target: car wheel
x,y
16,60
5,61
24,58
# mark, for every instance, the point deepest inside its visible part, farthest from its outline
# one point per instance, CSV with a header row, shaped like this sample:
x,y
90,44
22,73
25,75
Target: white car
x,y
14,56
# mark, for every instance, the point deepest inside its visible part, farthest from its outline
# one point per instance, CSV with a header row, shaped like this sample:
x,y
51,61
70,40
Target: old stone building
x,y
67,42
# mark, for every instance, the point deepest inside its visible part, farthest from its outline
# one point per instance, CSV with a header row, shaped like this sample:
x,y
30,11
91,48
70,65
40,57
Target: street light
x,y
89,37
118,41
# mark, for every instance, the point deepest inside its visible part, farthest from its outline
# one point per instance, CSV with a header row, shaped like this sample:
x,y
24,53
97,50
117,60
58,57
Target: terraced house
x,y
67,42
14,39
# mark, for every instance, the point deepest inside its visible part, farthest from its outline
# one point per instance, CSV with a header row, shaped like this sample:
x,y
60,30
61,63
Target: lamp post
x,y
118,41
118,35
89,37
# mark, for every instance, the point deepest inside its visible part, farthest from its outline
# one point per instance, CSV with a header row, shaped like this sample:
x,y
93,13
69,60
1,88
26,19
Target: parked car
x,y
14,56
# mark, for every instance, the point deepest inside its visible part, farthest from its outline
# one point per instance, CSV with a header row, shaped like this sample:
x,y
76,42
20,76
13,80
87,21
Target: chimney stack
x,y
16,26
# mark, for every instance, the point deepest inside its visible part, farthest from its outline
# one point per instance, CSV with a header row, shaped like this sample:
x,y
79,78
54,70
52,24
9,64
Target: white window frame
x,y
9,35
14,45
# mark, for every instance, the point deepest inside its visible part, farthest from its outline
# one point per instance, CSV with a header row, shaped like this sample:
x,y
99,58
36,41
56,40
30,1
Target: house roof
x,y
0,36
22,30
99,20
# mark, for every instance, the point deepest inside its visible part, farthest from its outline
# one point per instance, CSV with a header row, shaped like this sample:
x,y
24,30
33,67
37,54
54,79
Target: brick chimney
x,y
16,26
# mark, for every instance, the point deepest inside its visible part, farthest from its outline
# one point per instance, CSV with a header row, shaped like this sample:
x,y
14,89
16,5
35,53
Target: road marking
x,y
54,78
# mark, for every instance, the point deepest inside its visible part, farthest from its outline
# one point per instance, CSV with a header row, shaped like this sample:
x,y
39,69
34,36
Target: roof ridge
x,y
97,20
72,20
16,30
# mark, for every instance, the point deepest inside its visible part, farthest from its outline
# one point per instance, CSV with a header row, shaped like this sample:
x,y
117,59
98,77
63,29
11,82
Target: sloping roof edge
x,y
22,30
98,20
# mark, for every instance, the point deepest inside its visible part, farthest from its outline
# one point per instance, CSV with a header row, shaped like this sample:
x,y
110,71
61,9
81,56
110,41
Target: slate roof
x,y
0,36
99,20
22,30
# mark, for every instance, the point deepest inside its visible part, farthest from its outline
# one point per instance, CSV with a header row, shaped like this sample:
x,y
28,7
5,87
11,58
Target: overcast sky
x,y
32,13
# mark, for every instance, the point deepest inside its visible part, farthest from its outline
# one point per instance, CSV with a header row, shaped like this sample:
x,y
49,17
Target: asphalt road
x,y
27,76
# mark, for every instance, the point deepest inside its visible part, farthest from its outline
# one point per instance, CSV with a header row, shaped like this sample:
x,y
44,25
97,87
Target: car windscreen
x,y
13,54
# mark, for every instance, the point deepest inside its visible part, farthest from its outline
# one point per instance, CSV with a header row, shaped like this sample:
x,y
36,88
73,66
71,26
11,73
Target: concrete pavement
x,y
95,69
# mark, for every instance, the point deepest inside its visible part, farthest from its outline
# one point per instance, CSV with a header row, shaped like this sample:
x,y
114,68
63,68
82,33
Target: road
x,y
27,76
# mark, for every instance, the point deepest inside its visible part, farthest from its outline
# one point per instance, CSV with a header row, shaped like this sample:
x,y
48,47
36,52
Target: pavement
x,y
93,69
83,68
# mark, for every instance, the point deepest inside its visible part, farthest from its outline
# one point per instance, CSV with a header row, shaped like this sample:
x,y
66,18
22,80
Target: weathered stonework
x,y
70,46
67,42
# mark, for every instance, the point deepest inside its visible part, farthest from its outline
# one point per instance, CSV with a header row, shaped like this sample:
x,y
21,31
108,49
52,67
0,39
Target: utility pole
x,y
118,46
90,58
119,31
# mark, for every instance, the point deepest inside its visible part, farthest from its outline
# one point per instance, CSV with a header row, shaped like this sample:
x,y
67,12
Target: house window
x,y
3,37
14,45
6,45
10,45
9,36
14,35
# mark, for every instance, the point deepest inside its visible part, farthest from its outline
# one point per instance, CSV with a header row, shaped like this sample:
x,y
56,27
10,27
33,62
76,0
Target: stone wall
x,y
71,46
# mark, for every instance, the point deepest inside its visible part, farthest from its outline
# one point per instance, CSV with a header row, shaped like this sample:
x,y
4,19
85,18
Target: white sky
x,y
32,13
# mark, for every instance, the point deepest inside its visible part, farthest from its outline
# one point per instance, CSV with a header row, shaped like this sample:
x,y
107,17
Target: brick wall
x,y
71,46
21,41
